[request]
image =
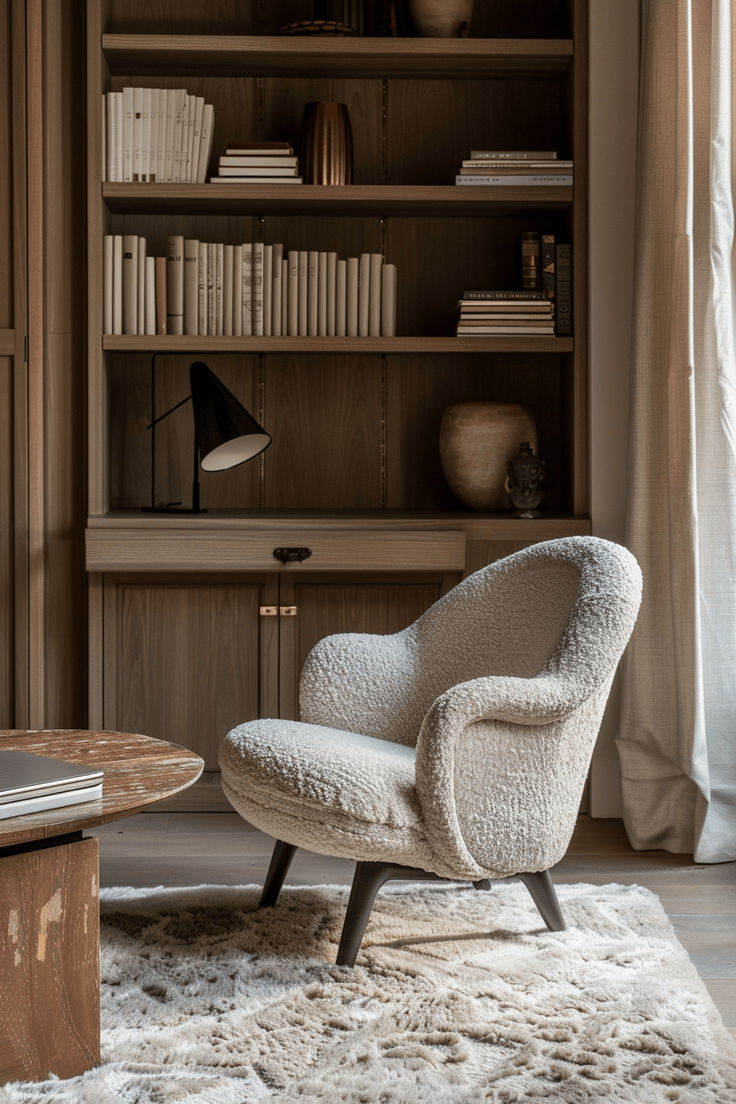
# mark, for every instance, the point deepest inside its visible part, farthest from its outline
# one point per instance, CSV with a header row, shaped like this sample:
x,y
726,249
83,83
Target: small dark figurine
x,y
524,474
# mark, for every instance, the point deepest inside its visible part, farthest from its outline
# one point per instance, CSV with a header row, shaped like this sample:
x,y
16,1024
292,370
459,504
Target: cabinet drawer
x,y
123,549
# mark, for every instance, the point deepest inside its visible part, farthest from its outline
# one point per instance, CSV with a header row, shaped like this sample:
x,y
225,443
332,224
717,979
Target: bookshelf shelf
x,y
338,200
239,55
177,343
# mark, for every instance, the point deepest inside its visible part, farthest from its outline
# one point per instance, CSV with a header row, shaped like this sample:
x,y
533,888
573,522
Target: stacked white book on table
x,y
258,163
527,312
520,168
31,783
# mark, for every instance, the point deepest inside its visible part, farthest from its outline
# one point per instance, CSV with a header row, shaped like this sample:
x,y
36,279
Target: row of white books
x,y
505,312
156,134
515,167
258,163
213,289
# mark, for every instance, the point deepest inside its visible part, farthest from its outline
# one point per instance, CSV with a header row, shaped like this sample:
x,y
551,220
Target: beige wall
x,y
614,42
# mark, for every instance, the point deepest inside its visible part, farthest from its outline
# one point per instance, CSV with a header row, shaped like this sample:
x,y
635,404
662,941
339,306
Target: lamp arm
x,y
169,411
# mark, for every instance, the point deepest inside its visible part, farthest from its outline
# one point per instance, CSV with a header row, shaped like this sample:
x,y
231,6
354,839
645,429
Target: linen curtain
x,y
677,741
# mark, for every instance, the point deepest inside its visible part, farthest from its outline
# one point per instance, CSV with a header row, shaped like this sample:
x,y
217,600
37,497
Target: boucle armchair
x,y
457,748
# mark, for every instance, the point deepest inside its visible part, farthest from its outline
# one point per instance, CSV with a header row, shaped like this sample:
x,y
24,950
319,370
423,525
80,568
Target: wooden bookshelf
x,y
353,471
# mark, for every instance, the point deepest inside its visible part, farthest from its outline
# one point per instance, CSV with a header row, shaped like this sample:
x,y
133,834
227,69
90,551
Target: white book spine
x,y
103,162
191,286
180,104
322,295
212,289
188,160
172,99
352,296
145,133
303,293
153,139
196,137
114,168
130,284
278,257
293,293
258,289
284,297
238,291
162,108
142,285
388,300
248,289
312,292
150,321
227,291
219,287
341,284
137,131
205,145
117,283
175,284
107,284
330,291
267,290
202,289
364,292
128,113
374,304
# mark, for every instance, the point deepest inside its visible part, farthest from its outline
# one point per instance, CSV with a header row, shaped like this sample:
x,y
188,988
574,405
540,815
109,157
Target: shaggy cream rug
x,y
457,996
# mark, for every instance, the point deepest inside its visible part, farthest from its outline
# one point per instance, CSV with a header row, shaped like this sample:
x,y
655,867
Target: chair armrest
x,y
500,768
365,683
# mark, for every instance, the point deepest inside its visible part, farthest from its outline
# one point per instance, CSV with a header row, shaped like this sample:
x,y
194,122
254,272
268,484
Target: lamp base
x,y
173,510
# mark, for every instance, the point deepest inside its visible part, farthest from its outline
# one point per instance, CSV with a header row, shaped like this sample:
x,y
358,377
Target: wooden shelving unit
x,y
353,471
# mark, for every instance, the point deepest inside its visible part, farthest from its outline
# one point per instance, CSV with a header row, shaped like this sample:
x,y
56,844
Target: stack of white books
x,y
258,163
527,312
31,783
156,134
249,289
522,168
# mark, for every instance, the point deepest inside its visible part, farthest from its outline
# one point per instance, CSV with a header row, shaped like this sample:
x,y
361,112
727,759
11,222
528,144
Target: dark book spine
x,y
548,265
563,290
530,260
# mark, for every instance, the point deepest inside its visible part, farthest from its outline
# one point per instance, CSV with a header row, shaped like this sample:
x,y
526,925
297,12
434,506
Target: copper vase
x,y
326,155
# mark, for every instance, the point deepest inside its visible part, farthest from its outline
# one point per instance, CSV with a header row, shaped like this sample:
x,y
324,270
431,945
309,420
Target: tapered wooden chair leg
x,y
367,880
543,894
281,858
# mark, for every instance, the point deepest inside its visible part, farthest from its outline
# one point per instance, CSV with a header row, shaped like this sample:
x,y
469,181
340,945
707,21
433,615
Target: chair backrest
x,y
565,606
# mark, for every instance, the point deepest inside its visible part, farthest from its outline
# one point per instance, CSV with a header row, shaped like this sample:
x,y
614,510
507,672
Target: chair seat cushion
x,y
334,792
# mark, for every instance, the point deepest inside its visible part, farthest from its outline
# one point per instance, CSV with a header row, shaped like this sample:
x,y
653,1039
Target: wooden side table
x,y
49,898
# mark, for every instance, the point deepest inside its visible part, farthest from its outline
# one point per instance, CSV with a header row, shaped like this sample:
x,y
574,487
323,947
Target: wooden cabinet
x,y
354,470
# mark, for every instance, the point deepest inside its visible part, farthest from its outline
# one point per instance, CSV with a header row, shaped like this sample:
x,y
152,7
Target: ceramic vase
x,y
477,439
440,18
326,153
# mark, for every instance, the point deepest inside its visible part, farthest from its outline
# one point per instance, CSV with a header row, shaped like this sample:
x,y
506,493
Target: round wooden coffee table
x,y
49,898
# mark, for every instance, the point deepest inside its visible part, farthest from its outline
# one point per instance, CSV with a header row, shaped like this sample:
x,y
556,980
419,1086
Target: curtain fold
x,y
677,740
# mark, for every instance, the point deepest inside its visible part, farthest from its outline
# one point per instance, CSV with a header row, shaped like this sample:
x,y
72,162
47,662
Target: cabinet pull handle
x,y
292,555
269,611
287,611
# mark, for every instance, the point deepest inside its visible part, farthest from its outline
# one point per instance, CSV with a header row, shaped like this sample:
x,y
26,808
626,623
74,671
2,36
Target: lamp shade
x,y
226,433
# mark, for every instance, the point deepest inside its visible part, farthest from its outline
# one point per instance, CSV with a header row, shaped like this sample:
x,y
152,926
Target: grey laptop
x,y
24,775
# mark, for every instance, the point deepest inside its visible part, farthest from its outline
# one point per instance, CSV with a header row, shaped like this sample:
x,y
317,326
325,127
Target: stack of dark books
x,y
527,312
258,163
31,783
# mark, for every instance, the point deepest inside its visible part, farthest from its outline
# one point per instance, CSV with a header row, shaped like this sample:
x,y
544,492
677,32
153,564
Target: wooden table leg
x,y
49,961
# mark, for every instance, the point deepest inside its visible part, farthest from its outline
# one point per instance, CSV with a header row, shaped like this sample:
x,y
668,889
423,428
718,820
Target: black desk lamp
x,y
225,434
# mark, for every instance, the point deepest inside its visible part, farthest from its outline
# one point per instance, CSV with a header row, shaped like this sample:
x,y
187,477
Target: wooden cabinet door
x,y
335,604
187,659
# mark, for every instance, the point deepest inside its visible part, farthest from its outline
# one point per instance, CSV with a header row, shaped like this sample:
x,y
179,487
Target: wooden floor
x,y
219,848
